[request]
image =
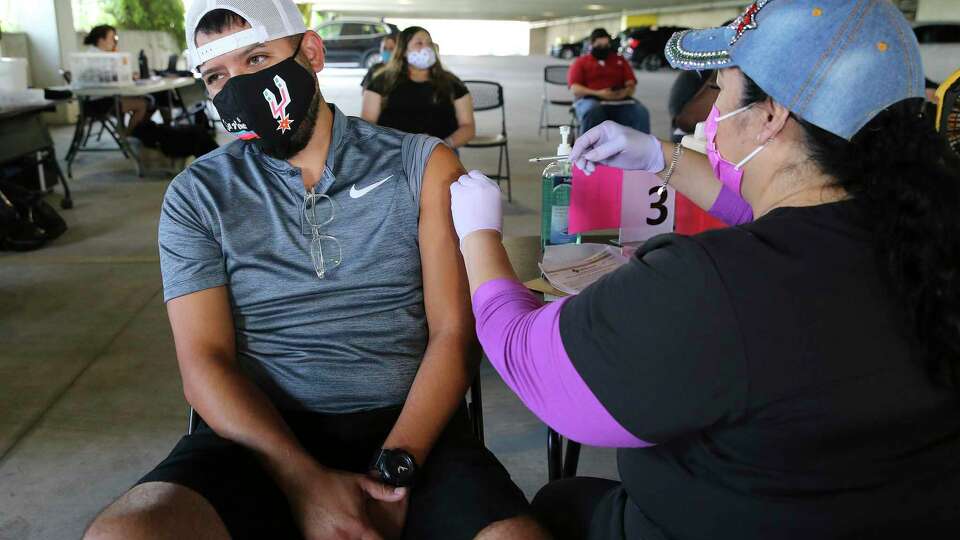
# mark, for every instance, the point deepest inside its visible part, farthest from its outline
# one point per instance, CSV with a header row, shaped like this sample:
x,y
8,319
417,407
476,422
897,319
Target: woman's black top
x,y
414,107
772,367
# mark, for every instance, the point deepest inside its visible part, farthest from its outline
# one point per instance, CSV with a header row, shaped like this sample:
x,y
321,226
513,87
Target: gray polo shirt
x,y
349,342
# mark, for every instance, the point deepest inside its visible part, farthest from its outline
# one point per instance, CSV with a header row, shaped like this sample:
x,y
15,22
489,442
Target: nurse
x,y
797,376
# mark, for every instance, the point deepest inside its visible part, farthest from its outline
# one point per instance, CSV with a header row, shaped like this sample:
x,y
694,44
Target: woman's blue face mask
x,y
385,56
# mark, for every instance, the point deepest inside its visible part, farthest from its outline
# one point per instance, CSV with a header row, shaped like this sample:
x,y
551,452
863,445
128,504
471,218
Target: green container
x,y
556,184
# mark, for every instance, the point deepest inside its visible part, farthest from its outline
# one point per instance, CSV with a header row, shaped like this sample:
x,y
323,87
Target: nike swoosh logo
x,y
357,193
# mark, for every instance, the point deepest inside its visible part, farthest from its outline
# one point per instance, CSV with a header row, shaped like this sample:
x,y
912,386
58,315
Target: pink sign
x,y
595,200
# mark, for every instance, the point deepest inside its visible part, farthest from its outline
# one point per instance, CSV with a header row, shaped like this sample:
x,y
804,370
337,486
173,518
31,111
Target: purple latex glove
x,y
617,146
475,202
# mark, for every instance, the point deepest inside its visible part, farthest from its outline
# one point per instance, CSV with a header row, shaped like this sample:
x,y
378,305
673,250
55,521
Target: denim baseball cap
x,y
834,63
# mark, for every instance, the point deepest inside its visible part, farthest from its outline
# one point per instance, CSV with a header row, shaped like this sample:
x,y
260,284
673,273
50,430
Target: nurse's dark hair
x,y
97,33
908,183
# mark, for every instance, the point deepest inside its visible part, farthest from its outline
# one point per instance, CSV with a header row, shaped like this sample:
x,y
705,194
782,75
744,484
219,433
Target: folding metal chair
x,y
110,121
488,96
558,465
554,76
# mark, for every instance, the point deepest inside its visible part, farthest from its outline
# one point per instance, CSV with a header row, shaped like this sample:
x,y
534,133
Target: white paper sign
x,y
572,268
644,212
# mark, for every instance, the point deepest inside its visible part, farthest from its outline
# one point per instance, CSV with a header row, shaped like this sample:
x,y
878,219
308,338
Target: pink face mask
x,y
730,174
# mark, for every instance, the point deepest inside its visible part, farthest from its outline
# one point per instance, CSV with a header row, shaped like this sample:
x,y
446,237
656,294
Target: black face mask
x,y
600,53
270,107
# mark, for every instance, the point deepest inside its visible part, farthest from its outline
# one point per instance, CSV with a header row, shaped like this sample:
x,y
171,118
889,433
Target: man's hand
x,y
331,504
388,517
607,94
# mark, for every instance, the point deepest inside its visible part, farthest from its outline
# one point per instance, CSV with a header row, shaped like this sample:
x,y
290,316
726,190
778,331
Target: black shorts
x,y
461,488
582,508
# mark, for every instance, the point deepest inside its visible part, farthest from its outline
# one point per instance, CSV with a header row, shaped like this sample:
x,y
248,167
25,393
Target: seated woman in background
x,y
413,93
387,45
104,38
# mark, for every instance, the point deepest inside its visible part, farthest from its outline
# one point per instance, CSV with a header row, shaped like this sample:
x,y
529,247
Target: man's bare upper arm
x,y
203,328
445,289
463,108
371,105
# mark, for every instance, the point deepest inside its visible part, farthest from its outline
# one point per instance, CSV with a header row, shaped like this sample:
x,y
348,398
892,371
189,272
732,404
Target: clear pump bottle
x,y
556,184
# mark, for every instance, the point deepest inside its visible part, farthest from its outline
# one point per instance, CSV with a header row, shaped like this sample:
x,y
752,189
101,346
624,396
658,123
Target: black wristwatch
x,y
395,467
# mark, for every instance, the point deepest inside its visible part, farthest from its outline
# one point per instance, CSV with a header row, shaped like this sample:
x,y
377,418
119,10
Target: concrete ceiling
x,y
519,10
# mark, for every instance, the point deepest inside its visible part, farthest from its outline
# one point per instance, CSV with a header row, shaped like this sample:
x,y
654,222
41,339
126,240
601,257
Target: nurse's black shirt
x,y
771,365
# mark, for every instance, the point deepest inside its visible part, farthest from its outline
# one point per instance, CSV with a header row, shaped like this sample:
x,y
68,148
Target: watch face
x,y
401,467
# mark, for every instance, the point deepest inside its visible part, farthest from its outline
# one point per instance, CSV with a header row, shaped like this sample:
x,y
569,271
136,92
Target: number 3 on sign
x,y
646,213
661,195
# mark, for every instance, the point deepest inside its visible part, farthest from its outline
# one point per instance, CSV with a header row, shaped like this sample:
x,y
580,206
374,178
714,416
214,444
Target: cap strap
x,y
250,36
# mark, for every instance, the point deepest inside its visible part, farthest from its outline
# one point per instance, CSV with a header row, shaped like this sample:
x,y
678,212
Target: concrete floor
x,y
90,396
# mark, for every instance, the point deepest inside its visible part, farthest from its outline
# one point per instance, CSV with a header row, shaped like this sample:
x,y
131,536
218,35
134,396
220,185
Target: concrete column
x,y
49,27
938,10
538,41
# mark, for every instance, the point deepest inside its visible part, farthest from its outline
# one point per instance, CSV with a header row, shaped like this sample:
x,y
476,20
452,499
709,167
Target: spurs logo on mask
x,y
279,109
241,105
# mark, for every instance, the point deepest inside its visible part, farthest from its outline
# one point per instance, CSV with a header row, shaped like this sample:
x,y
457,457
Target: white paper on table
x,y
22,98
571,268
645,214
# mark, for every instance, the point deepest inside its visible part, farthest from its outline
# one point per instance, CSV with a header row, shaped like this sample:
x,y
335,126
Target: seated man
x,y
321,317
603,83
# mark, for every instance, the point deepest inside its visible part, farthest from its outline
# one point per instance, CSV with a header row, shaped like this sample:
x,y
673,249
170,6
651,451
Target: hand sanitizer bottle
x,y
556,183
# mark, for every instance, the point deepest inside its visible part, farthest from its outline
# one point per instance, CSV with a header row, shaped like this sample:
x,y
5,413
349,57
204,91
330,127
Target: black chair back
x,y
486,95
556,74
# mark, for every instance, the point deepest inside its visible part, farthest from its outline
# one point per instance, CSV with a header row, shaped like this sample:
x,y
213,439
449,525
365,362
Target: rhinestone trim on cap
x,y
676,54
747,21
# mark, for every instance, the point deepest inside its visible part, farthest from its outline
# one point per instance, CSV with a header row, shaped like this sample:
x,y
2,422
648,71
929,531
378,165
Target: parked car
x,y
568,51
354,41
573,49
939,49
643,47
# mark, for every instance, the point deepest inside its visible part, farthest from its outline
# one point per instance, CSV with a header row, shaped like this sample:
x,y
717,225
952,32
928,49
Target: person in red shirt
x,y
603,83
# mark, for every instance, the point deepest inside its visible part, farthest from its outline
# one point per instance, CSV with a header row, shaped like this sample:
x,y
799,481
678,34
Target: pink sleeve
x,y
731,209
521,337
